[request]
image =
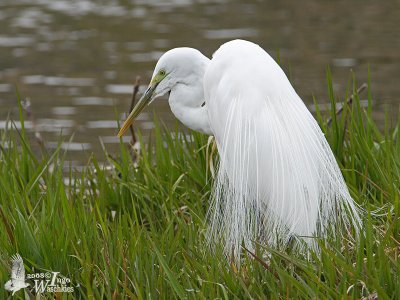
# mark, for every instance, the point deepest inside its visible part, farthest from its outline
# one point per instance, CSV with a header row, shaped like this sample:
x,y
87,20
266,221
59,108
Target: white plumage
x,y
278,178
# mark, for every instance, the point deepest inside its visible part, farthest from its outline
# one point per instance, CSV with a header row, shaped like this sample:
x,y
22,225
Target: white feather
x,y
278,177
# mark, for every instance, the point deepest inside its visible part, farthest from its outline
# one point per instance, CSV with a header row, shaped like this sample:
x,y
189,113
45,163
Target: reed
x,y
136,229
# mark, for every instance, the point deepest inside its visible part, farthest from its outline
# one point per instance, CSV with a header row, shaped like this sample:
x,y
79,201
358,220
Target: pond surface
x,y
77,60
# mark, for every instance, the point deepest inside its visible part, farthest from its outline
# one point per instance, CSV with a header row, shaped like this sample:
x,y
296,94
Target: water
x,y
77,60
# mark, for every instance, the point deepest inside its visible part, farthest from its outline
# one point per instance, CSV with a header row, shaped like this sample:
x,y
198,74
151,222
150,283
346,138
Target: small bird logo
x,y
17,281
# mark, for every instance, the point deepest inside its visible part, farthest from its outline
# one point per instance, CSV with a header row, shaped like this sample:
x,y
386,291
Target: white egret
x,y
278,178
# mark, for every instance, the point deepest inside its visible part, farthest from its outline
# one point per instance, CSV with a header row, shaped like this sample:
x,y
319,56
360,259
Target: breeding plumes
x,y
278,178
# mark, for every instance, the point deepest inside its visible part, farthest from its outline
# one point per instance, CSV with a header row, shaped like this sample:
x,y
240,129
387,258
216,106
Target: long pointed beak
x,y
146,98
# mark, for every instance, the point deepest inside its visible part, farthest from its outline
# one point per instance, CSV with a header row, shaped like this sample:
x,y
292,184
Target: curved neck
x,y
186,104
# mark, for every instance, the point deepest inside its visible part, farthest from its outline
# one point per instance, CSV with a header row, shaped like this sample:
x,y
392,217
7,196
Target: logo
x,y
44,282
17,281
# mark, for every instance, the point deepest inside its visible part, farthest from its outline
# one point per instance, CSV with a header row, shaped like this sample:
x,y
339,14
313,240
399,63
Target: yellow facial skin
x,y
144,100
158,77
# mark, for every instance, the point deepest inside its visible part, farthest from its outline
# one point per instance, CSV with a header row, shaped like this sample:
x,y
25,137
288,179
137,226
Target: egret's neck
x,y
186,102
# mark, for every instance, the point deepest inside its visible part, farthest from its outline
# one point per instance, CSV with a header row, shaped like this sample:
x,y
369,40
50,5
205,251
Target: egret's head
x,y
179,65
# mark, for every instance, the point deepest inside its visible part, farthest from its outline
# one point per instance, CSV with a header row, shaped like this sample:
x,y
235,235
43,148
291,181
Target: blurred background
x,y
77,60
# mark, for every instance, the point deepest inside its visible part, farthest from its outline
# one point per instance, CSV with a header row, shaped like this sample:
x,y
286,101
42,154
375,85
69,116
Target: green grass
x,y
139,232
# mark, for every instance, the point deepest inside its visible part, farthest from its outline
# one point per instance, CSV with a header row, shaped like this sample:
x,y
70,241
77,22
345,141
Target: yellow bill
x,y
142,103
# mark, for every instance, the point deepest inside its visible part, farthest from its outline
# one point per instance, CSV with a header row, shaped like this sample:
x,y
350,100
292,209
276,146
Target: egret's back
x,y
278,177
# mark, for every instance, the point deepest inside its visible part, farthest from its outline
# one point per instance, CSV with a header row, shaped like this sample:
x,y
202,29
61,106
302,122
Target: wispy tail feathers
x,y
277,178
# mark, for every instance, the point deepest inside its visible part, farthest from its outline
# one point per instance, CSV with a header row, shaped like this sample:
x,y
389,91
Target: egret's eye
x,y
162,72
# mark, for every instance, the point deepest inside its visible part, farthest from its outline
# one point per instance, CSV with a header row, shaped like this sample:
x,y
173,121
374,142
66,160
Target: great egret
x,y
277,177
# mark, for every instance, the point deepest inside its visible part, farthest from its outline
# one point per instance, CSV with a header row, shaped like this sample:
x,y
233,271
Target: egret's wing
x,y
277,177
17,268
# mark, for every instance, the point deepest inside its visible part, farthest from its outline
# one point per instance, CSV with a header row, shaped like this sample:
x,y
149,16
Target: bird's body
x,y
277,177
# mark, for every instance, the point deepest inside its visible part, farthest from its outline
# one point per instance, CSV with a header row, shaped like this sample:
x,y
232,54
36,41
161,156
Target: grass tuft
x,y
136,230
